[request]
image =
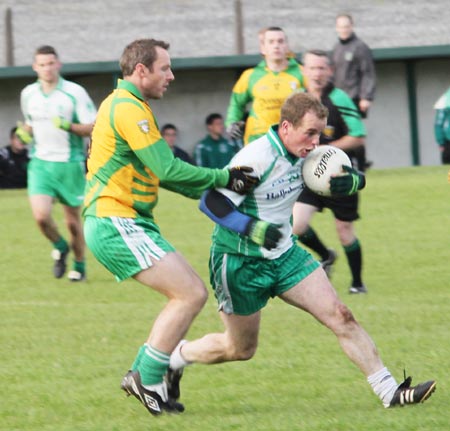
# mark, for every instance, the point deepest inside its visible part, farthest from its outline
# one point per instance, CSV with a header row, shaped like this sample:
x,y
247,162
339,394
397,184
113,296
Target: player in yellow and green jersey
x,y
266,86
128,162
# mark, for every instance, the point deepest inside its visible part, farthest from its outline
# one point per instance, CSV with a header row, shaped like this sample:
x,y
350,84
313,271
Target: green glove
x,y
346,185
23,134
263,233
61,123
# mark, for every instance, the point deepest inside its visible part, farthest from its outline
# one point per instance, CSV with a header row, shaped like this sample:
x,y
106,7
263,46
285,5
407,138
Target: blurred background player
x,y
170,134
346,131
13,163
354,72
58,115
266,86
214,150
442,126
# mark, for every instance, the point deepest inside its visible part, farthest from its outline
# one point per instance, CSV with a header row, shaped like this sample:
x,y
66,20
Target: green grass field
x,y
65,347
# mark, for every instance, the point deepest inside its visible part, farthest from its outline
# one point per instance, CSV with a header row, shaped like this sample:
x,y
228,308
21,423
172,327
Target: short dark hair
x,y
45,50
140,51
346,15
12,132
318,53
213,117
168,126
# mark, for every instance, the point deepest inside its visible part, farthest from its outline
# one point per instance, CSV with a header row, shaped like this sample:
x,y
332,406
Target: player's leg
x,y
315,295
237,343
173,277
353,252
74,225
41,207
302,215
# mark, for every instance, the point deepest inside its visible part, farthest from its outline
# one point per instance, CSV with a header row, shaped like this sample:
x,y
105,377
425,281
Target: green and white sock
x,y
137,360
79,266
61,245
153,365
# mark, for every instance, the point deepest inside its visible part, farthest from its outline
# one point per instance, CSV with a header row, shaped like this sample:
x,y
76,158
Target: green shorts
x,y
125,246
64,181
243,285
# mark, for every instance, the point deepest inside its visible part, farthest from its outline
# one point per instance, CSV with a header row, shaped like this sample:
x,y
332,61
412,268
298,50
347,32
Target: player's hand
x,y
22,133
61,123
264,233
240,180
348,184
236,130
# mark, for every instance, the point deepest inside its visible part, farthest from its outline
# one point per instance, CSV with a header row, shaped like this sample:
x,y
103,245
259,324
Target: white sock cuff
x,y
176,359
378,376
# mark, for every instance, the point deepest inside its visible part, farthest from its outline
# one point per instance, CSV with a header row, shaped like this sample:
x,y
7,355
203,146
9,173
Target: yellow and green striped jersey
x,y
267,90
129,160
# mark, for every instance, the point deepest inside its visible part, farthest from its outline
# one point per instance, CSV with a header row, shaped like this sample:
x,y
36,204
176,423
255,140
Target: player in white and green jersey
x,y
59,115
254,257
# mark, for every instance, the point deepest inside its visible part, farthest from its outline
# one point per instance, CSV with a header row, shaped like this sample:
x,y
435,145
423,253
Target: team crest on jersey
x,y
144,126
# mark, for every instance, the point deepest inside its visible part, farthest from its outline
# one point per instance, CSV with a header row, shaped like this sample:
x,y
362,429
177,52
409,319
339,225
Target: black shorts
x,y
344,208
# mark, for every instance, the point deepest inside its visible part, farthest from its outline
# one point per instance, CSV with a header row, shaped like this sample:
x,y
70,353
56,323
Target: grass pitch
x,y
65,347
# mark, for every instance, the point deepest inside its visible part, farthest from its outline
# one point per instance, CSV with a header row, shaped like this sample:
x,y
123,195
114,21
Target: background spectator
x,y
13,163
214,150
442,126
170,134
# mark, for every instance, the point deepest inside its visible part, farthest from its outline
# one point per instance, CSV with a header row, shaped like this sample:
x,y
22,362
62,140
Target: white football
x,y
320,164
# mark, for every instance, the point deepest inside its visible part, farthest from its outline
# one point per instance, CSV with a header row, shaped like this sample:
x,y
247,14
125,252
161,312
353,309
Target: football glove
x,y
236,130
263,233
240,181
61,123
22,133
349,184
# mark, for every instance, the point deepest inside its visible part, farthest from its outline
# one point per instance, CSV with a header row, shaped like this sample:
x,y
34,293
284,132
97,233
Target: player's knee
x,y
345,315
198,295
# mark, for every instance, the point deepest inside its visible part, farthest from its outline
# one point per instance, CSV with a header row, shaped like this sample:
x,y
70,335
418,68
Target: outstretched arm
x,y
222,211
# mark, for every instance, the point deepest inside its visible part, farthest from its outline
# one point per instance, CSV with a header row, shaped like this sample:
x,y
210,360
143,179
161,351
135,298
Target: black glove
x,y
346,185
236,130
263,233
240,182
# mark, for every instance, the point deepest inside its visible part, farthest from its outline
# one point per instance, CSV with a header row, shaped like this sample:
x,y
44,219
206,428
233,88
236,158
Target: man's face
x,y
156,81
47,67
303,139
17,146
344,27
170,136
274,45
216,127
317,71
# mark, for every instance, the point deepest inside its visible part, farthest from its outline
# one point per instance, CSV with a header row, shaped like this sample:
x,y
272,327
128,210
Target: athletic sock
x,y
153,365
137,360
176,358
79,266
354,258
61,245
311,240
384,385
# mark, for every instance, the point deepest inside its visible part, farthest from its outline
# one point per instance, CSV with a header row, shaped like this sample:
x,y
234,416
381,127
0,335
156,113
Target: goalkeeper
x,y
255,257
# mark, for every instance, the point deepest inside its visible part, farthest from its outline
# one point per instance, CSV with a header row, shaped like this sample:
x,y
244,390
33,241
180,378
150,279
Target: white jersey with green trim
x,y
69,101
272,200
